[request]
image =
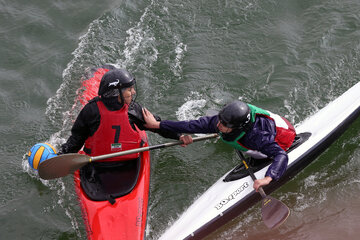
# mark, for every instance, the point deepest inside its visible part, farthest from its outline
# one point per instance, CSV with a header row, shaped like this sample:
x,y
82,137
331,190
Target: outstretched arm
x,y
136,117
206,124
152,123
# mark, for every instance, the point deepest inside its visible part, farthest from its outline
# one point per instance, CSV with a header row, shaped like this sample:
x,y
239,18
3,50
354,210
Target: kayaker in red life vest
x,y
257,132
103,118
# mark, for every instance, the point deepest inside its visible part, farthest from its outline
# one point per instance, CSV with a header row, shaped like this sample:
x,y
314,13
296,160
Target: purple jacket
x,y
261,138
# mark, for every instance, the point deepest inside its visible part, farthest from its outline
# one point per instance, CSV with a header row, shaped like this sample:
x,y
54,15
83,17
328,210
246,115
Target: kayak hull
x,y
225,200
126,218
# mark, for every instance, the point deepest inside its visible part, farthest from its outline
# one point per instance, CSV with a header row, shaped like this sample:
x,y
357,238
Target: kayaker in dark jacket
x,y
257,132
116,92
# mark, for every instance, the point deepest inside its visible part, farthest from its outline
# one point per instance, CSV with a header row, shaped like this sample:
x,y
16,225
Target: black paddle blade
x,y
62,165
274,212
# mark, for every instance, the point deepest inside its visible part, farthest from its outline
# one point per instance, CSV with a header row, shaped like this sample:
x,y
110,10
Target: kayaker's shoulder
x,y
93,100
91,108
135,110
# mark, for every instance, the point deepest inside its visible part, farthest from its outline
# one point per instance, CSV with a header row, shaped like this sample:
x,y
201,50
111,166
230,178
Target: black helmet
x,y
235,115
113,81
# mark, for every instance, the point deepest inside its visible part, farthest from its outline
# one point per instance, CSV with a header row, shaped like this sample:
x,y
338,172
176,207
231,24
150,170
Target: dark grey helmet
x,y
113,81
235,115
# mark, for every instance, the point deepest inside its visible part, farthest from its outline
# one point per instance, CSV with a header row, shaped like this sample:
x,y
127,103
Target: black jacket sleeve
x,y
136,117
85,125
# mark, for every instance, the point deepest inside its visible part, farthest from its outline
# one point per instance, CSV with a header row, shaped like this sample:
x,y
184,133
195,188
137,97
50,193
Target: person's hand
x,y
261,182
186,139
150,120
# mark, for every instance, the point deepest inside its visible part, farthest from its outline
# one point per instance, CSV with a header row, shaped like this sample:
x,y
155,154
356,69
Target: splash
x,y
192,108
140,41
180,50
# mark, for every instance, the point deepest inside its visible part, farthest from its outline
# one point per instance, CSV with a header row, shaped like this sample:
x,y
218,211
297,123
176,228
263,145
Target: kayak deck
x,y
117,218
258,164
108,181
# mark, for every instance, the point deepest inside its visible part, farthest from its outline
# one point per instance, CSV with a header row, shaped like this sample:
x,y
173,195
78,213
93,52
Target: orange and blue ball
x,y
39,153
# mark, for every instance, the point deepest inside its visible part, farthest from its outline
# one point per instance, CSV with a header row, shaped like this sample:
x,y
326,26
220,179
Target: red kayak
x,y
113,195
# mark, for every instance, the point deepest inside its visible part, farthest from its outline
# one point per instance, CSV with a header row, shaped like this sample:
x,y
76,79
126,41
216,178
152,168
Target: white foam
x,y
192,108
180,50
140,39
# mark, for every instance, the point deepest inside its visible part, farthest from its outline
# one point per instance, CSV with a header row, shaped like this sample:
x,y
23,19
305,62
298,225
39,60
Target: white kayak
x,y
233,193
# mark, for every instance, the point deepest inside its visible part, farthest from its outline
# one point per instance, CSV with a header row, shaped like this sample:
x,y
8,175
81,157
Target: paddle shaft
x,y
251,173
143,149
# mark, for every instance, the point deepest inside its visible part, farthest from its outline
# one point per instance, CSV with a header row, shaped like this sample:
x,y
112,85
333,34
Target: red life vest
x,y
114,134
285,131
285,136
